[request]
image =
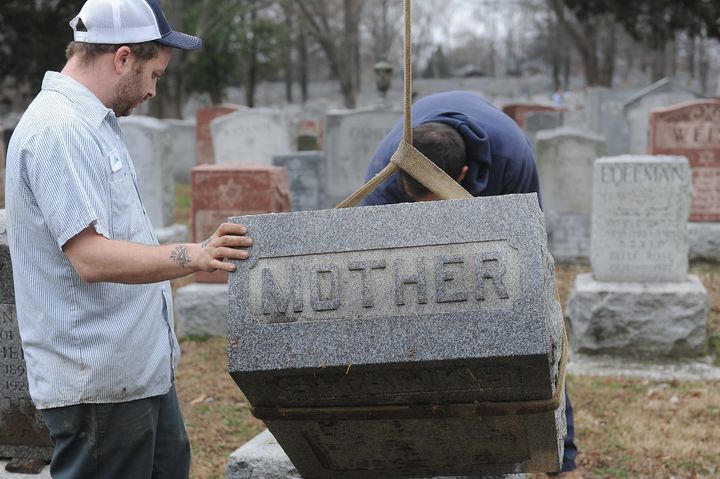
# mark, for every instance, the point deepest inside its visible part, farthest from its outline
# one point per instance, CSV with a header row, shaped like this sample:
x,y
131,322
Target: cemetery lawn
x,y
625,428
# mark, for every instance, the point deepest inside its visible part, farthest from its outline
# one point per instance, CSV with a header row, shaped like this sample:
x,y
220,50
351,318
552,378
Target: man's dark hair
x,y
442,145
88,52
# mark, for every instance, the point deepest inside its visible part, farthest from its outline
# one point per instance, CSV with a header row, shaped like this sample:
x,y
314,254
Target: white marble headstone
x,y
639,221
183,148
148,141
250,137
351,138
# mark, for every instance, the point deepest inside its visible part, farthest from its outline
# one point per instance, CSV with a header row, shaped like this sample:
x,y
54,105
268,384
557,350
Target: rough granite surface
x,y
201,309
412,304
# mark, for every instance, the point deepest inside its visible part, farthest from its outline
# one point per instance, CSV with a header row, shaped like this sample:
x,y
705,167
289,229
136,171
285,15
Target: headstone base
x,y
5,474
176,233
201,309
704,239
263,458
638,319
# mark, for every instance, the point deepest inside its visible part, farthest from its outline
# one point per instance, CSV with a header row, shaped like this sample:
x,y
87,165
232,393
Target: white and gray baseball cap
x,y
118,22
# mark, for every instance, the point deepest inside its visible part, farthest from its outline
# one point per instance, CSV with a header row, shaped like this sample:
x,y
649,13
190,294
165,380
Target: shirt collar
x,y
78,94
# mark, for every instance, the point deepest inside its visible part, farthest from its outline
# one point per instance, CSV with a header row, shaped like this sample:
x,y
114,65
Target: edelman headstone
x,y
565,158
639,225
639,299
249,137
306,171
23,433
351,138
375,343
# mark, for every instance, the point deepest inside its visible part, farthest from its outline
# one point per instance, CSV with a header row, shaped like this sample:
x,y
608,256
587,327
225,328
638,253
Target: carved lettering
x,y
443,277
490,266
273,295
401,279
420,280
325,281
368,288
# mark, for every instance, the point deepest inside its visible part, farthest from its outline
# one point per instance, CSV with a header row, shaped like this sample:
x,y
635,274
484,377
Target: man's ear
x,y
121,59
463,173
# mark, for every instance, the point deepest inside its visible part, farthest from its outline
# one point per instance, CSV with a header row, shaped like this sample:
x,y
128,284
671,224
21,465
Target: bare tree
x,y
334,24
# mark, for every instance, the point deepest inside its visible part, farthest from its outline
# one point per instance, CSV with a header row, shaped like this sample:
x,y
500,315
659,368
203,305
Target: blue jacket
x,y
499,156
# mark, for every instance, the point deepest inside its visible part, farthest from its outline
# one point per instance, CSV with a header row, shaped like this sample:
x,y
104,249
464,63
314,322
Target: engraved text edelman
x,y
388,282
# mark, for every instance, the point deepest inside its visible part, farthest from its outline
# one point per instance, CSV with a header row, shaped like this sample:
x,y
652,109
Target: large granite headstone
x,y
23,434
148,141
249,137
351,139
386,341
565,158
637,109
639,299
306,174
183,148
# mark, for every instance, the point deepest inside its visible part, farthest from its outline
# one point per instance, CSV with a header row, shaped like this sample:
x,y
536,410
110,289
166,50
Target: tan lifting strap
x,y
406,157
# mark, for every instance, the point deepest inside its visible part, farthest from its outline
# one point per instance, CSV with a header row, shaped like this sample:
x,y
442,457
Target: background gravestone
x,y
183,148
692,130
148,142
249,137
23,433
565,158
351,139
639,225
605,116
306,171
2,169
536,121
398,326
637,109
639,299
518,111
203,138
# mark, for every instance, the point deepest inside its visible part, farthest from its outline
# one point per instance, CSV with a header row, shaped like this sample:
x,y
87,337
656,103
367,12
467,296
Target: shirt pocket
x,y
127,220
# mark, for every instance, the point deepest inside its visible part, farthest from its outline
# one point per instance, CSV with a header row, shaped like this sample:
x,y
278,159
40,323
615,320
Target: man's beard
x,y
128,94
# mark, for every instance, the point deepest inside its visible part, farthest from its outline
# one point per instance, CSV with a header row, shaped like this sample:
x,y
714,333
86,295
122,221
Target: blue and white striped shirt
x,y
67,169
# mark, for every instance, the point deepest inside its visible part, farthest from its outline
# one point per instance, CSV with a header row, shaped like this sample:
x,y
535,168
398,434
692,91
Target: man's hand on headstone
x,y
228,242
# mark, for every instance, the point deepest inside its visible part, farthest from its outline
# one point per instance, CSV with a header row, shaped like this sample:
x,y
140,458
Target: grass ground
x,y
625,428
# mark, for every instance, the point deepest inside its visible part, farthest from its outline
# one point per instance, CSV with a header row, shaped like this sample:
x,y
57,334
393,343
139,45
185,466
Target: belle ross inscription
x,y
640,211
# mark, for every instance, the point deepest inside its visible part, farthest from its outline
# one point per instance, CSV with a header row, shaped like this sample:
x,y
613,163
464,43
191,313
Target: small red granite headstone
x,y
204,116
517,111
221,191
692,129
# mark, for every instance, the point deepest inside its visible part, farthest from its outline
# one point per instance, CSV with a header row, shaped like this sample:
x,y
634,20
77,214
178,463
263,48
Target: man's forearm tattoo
x,y
205,243
180,256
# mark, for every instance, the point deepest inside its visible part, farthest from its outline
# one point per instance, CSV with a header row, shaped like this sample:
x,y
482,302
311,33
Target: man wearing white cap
x,y
94,304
